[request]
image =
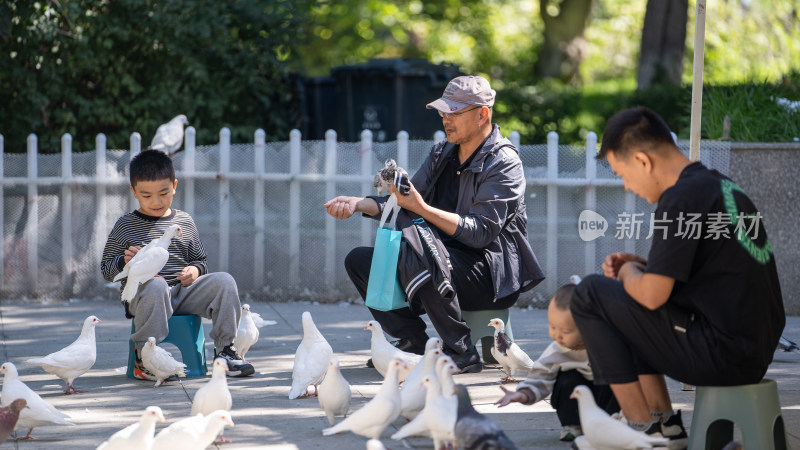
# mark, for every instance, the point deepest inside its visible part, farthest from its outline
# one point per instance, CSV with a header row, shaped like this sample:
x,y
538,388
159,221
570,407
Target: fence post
x,y
366,186
294,206
135,144
552,212
32,226
68,275
591,200
224,198
2,215
330,221
258,207
102,201
514,138
402,149
188,169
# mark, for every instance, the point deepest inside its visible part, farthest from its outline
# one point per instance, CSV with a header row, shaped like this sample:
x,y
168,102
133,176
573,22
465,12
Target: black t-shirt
x,y
711,239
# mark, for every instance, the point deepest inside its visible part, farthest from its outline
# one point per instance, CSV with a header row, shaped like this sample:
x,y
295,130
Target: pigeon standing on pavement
x,y
444,369
475,431
412,395
38,411
440,414
513,359
73,360
138,435
373,417
9,416
147,262
160,362
310,360
193,433
375,444
169,136
215,394
247,334
334,392
603,431
787,345
383,352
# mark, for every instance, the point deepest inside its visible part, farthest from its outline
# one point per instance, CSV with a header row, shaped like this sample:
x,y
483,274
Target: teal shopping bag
x,y
383,289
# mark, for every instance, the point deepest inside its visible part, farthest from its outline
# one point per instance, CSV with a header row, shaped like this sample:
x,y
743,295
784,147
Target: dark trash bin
x,y
384,95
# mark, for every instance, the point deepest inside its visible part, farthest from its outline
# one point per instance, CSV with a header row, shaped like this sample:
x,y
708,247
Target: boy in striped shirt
x,y
183,286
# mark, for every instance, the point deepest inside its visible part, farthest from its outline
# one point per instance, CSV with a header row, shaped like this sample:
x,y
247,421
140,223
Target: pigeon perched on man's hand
x,y
169,136
391,174
73,360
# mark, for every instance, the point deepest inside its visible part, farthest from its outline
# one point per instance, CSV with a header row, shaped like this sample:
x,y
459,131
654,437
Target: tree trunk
x,y
564,46
663,43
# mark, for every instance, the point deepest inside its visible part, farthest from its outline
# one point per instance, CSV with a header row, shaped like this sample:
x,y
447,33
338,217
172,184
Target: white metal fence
x,y
258,207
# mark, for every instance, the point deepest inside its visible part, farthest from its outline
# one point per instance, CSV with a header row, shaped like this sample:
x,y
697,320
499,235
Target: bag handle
x,y
390,207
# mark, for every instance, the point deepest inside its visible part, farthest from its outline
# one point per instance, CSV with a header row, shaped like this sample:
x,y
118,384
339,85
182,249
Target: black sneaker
x,y
406,345
467,362
237,367
673,430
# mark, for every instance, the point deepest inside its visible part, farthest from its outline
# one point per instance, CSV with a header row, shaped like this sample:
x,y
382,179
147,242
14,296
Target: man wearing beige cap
x,y
470,192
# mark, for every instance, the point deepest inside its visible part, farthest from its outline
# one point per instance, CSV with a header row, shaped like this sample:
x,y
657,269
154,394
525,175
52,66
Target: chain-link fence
x,y
258,208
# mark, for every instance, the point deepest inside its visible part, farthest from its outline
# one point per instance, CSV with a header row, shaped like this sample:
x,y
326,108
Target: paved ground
x,y
264,416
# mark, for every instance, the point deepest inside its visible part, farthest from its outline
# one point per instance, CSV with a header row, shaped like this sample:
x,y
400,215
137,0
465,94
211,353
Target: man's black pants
x,y
567,408
474,291
624,339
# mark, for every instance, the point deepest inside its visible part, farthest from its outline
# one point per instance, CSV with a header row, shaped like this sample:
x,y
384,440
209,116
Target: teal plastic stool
x,y
186,333
753,407
478,322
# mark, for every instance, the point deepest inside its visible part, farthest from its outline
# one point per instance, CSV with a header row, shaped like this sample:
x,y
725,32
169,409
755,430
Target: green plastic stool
x,y
478,322
753,407
186,333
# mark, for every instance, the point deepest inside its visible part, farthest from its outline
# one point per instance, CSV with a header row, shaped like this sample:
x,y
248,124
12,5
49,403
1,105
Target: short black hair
x,y
151,165
635,127
563,296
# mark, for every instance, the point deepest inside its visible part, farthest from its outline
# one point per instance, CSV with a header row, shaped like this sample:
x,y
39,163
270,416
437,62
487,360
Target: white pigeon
x,y
215,394
334,392
73,360
169,136
412,394
508,354
147,262
444,370
383,352
575,279
310,360
160,362
136,436
604,432
248,333
440,413
38,412
375,444
193,433
383,409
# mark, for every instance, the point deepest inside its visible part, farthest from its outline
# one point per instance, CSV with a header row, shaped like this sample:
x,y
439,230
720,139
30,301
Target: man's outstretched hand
x,y
614,262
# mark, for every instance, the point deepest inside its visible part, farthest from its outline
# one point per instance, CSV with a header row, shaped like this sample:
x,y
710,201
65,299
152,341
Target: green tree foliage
x,y
118,66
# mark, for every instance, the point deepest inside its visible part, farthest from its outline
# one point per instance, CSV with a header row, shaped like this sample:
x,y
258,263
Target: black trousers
x,y
567,408
474,291
624,339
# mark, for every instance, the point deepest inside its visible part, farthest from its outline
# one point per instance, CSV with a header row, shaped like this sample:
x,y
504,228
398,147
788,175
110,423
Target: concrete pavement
x,y
264,416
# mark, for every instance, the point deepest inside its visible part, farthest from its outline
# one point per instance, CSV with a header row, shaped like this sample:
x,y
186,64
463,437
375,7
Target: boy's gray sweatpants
x,y
213,296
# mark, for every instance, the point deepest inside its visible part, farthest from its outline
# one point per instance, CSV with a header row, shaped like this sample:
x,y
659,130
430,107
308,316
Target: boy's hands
x,y
511,397
131,252
188,275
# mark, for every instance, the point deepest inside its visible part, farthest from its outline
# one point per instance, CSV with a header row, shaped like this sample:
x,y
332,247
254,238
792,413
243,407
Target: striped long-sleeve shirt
x,y
137,229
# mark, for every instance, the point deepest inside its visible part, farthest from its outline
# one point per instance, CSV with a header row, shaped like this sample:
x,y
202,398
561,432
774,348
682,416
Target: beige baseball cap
x,y
462,92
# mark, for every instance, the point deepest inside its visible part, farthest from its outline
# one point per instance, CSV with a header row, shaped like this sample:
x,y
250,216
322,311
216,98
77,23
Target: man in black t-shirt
x,y
705,307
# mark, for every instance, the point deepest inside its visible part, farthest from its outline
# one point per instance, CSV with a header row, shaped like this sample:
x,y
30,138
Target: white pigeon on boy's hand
x,y
73,360
169,136
147,262
603,431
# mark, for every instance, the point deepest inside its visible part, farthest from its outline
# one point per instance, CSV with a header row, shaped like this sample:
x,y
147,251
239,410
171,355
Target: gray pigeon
x,y
391,174
9,416
787,345
475,431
